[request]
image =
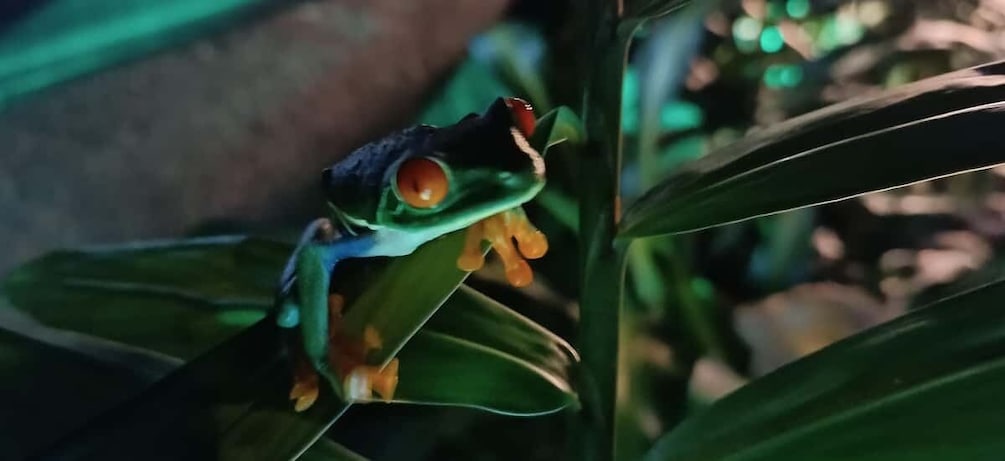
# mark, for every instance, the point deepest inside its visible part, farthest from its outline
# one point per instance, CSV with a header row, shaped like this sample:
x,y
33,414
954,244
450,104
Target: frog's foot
x,y
500,230
364,380
472,258
531,241
305,383
361,380
348,358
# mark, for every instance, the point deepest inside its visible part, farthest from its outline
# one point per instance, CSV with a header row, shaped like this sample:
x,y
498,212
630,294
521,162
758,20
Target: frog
x,y
389,197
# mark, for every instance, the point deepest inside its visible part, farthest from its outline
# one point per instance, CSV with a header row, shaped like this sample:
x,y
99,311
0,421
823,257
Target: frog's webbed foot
x,y
305,382
348,357
501,230
363,380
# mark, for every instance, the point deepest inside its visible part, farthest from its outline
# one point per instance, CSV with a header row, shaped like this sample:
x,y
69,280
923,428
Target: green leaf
x,y
327,450
931,128
405,295
232,401
925,386
226,404
473,316
477,353
174,297
557,126
51,390
441,369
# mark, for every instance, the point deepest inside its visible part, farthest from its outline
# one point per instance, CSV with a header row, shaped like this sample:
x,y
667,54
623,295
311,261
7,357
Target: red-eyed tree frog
x,y
388,198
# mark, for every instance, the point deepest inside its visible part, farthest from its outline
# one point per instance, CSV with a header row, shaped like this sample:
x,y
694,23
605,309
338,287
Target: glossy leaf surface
x,y
927,129
328,450
51,391
922,387
477,353
223,402
175,297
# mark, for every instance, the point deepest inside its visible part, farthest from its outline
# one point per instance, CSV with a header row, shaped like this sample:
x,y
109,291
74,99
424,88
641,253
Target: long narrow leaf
x,y
166,296
927,129
50,390
922,387
477,353
232,402
328,450
188,414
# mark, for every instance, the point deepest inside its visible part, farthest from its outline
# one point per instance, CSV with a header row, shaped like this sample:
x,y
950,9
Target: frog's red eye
x,y
421,182
523,115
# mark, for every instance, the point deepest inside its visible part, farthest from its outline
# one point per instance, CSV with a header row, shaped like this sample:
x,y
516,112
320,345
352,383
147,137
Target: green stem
x,y
603,262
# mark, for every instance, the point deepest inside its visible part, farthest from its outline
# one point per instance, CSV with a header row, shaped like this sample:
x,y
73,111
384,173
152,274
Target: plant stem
x,y
603,62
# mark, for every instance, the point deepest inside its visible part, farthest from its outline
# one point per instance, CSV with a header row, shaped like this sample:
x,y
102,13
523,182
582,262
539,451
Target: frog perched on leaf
x,y
393,195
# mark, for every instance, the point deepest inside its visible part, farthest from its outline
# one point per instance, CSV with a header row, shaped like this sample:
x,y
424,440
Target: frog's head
x,y
437,180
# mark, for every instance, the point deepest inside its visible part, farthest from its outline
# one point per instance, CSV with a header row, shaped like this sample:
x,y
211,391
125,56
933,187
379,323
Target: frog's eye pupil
x,y
421,182
523,115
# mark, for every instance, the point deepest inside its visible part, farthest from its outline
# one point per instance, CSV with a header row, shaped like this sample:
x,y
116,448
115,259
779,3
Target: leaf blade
x,y
164,295
237,392
477,353
873,396
928,129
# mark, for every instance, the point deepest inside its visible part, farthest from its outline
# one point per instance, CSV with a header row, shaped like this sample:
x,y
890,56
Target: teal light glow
x,y
797,9
679,152
630,102
783,76
839,31
745,33
772,40
681,115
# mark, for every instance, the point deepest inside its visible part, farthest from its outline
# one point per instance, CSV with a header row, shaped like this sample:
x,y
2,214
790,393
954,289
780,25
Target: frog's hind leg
x,y
305,378
304,390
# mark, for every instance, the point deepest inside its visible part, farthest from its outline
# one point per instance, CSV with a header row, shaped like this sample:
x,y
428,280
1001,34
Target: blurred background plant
x,y
706,311
710,310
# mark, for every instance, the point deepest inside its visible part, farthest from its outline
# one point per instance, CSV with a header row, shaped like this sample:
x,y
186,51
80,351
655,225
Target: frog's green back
x,y
44,42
